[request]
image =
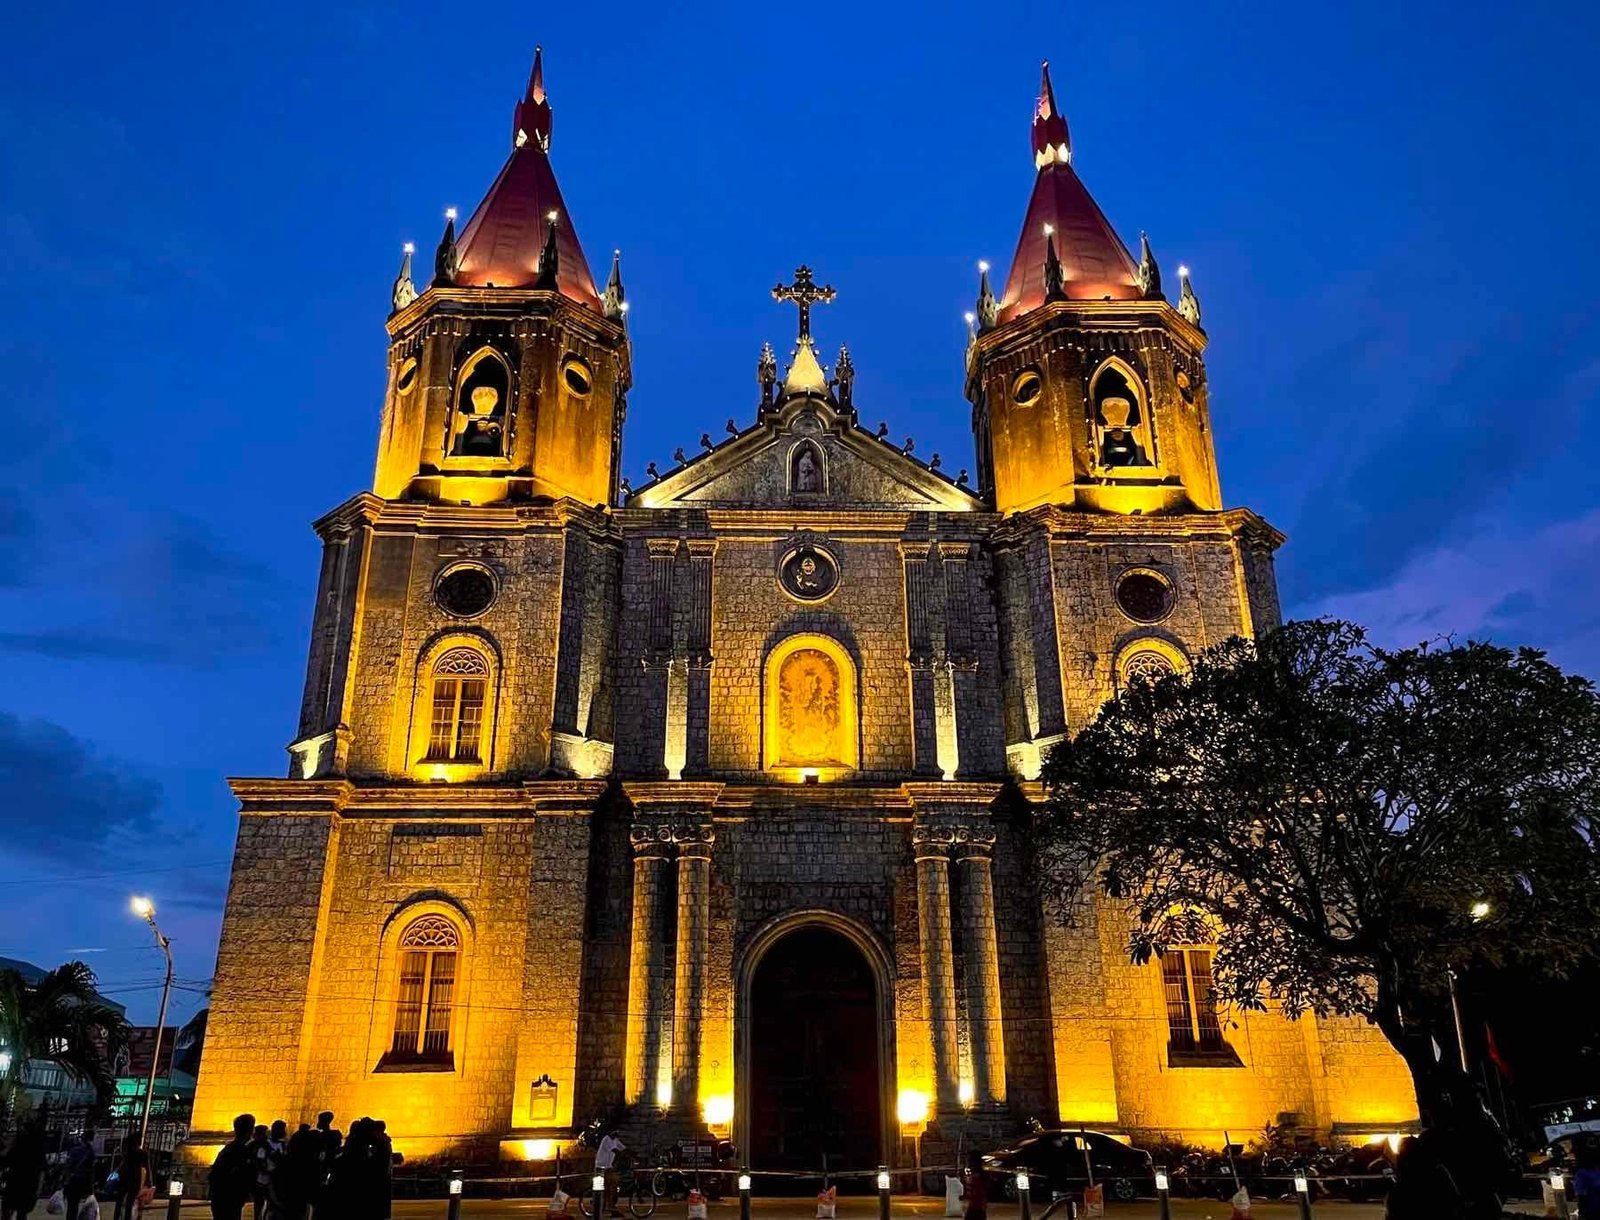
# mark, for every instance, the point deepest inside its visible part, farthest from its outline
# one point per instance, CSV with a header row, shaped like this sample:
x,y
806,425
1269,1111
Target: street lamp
x,y
1479,910
146,910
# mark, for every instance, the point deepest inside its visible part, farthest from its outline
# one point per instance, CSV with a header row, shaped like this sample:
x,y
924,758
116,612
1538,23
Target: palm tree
x,y
59,1019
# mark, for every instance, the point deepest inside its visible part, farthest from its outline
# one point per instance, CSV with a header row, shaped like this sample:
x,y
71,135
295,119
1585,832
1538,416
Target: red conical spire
x,y
531,121
500,245
1088,256
1051,140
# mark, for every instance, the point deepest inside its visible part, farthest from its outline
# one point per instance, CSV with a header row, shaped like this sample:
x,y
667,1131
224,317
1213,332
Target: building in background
x,y
703,802
46,1083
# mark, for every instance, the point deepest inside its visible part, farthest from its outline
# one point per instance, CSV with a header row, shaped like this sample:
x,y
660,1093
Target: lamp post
x,y
1302,1192
1164,1194
1558,1191
146,910
174,1197
883,1192
453,1208
1024,1203
744,1194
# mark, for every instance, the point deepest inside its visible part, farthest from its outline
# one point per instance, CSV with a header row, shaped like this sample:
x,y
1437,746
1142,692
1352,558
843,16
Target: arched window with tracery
x,y
430,950
460,691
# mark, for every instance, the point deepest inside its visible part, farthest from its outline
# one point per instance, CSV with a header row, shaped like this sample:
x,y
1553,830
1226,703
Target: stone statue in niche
x,y
808,710
807,471
1118,445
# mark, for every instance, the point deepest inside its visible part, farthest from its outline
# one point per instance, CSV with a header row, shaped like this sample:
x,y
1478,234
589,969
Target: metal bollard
x,y
744,1194
1163,1194
1558,1188
1024,1204
883,1192
598,1186
1302,1192
453,1191
174,1197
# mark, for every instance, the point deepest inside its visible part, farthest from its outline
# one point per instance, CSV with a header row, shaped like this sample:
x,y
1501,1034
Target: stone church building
x,y
704,801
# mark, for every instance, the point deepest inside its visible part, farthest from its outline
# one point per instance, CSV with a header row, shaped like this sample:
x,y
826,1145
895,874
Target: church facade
x,y
706,801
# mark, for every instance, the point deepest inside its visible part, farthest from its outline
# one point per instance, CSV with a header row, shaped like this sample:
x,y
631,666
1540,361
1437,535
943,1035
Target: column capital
x,y
662,548
701,548
662,836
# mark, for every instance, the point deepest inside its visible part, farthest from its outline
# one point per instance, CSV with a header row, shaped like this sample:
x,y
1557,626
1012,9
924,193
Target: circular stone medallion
x,y
465,592
808,574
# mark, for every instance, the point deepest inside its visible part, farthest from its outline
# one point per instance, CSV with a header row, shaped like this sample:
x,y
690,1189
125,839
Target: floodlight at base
x,y
1022,1183
1301,1185
744,1181
599,1183
455,1186
883,1180
1558,1181
175,1188
1161,1180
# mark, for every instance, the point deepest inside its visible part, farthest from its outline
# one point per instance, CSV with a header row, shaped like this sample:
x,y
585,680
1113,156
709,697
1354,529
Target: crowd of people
x,y
316,1169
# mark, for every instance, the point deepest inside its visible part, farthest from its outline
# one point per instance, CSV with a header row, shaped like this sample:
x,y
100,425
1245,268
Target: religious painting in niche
x,y
479,423
806,471
808,574
1124,438
810,720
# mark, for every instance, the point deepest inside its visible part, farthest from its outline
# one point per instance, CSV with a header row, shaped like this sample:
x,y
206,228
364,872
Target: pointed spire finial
x,y
1188,303
1054,280
531,120
1149,272
404,291
844,377
614,301
549,257
447,258
767,375
1051,140
988,310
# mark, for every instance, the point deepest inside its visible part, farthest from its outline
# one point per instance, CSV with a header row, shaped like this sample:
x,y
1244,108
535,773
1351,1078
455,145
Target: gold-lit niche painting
x,y
811,715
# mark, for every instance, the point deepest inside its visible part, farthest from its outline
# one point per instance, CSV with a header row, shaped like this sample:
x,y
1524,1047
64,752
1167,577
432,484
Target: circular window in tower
x,y
466,590
575,375
1144,596
406,379
1025,390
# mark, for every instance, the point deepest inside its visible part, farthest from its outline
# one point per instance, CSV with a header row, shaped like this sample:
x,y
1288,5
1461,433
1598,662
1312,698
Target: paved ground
x,y
849,1209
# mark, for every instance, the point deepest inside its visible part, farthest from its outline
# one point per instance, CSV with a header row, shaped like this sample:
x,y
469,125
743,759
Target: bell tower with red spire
x,y
508,373
1087,386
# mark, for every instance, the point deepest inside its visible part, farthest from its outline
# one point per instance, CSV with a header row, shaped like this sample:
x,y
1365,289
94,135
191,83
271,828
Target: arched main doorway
x,y
814,1050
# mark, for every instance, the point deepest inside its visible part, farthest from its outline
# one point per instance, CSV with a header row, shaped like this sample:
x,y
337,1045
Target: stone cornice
x,y
427,802
423,517
1088,316
1066,525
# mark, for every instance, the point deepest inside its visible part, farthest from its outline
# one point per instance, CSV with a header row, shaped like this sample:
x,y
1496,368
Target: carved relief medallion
x,y
808,573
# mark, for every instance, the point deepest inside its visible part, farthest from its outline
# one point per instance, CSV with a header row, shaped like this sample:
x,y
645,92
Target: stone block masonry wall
x,y
603,994
268,964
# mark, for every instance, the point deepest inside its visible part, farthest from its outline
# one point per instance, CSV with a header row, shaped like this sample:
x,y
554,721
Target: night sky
x,y
1388,209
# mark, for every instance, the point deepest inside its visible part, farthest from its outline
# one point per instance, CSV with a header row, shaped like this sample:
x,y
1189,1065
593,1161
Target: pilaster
x,y
920,659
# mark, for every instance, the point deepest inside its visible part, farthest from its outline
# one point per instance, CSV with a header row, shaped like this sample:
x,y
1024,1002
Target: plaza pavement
x,y
849,1209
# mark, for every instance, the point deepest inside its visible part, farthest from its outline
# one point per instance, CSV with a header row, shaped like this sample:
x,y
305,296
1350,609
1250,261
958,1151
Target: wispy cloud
x,y
1539,587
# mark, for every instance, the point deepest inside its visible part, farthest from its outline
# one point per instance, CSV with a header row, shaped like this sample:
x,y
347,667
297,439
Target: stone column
x,y
919,660
647,967
932,848
694,897
661,661
697,727
985,1028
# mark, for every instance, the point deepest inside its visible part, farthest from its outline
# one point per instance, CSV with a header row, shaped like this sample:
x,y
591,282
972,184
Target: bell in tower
x,y
1087,386
508,374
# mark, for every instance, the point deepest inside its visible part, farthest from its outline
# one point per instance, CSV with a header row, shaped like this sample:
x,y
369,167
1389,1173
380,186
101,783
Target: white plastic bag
x,y
558,1203
56,1205
1241,1205
952,1196
89,1209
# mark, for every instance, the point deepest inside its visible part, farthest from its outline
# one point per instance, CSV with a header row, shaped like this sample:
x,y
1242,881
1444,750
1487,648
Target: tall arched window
x,y
460,689
425,1003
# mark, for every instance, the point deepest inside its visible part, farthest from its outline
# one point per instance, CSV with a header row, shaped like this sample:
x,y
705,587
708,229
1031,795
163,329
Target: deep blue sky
x,y
1389,210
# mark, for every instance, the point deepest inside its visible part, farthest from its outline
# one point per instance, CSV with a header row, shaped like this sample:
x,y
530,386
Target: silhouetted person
x,y
976,1193
261,1167
233,1173
383,1163
301,1173
77,1178
133,1168
1423,1188
24,1172
331,1142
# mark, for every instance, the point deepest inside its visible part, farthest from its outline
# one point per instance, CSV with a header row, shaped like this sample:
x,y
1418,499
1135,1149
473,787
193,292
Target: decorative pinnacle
x,y
613,301
805,293
1051,140
549,258
1149,272
1054,279
1188,303
447,259
404,291
988,308
531,120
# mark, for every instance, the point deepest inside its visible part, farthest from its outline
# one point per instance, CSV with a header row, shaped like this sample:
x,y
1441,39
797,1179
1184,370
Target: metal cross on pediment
x,y
805,293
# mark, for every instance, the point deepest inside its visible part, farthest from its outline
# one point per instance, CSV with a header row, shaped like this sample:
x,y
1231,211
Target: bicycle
x,y
641,1200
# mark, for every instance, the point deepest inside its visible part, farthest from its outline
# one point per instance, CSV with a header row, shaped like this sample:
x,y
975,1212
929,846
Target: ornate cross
x,y
805,293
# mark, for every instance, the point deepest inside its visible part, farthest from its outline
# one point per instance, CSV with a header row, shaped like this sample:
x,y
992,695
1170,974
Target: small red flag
x,y
1495,1057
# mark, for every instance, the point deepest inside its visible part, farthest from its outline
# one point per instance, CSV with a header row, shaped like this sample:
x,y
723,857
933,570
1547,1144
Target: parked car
x,y
1060,1162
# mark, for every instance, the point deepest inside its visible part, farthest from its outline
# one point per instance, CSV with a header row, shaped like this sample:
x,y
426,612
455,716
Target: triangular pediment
x,y
806,454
